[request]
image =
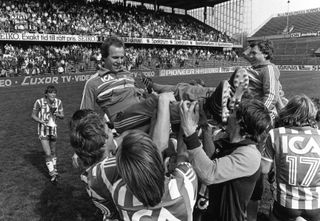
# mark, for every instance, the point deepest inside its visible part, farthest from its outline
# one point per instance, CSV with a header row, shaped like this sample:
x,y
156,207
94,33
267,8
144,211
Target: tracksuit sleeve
x,y
269,152
270,87
244,161
88,97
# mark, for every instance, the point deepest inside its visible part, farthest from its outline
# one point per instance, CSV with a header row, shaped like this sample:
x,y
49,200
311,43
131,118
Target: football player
x,y
294,150
45,111
144,190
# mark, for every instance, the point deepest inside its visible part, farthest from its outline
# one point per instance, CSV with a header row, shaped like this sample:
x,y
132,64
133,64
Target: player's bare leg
x,y
47,150
54,156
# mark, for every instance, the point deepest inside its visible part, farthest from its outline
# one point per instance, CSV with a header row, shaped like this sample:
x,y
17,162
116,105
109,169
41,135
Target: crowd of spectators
x,y
21,60
38,59
176,57
100,18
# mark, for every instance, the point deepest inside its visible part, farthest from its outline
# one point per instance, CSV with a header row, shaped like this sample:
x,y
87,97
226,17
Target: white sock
x,y
54,161
50,166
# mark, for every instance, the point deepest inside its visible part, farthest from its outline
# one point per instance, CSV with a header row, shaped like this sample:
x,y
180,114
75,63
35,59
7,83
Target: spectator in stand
x,y
38,59
234,56
293,148
60,17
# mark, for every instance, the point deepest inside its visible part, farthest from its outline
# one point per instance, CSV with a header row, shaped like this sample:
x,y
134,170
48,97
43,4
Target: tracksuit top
x,y
113,92
231,175
265,85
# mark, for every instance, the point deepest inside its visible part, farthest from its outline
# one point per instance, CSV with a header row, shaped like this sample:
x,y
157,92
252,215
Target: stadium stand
x,y
298,23
101,18
20,60
297,51
296,43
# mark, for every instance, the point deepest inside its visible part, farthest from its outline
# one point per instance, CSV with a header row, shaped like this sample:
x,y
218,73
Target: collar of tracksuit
x,y
103,71
193,142
262,64
223,146
225,142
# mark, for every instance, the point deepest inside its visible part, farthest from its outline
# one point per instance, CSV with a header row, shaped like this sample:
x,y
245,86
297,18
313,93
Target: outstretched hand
x,y
189,115
167,96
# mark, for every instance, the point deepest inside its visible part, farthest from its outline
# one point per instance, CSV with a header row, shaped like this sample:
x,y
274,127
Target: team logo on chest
x,y
300,145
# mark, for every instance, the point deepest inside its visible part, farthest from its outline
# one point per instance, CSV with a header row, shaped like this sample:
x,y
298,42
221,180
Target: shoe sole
x,y
241,84
226,95
241,77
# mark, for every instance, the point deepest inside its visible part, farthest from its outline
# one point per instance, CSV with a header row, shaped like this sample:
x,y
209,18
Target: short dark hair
x,y
300,111
50,89
140,165
197,82
255,120
316,102
265,46
87,137
78,115
108,42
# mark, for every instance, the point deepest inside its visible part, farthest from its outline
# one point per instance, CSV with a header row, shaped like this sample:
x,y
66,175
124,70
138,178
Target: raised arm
x,y
189,114
208,144
161,130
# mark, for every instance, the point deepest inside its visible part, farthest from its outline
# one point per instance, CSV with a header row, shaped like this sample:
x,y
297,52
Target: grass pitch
x,y
25,190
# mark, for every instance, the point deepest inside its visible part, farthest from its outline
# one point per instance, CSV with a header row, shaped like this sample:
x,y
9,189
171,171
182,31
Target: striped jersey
x,y
42,106
98,179
265,85
177,202
112,92
296,155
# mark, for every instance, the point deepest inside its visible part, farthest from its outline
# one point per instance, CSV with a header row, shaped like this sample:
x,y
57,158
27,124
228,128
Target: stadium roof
x,y
184,4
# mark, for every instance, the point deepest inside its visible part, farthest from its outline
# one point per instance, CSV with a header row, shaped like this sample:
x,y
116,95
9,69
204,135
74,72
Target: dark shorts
x,y
287,214
258,189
